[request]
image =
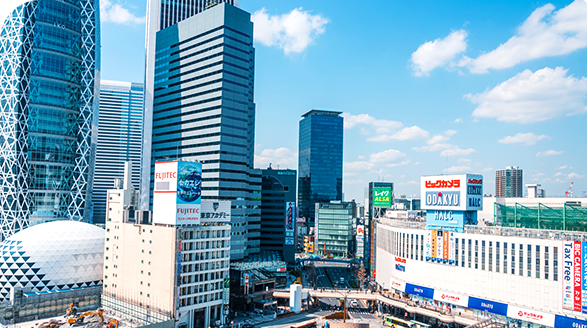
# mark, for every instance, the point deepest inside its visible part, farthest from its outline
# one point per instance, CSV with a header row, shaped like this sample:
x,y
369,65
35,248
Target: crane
x,y
569,193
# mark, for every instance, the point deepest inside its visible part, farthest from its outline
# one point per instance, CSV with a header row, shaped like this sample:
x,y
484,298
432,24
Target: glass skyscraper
x,y
119,139
161,14
320,160
49,68
204,111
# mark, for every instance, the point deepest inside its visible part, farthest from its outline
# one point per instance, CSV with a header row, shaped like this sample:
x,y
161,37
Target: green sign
x,y
381,197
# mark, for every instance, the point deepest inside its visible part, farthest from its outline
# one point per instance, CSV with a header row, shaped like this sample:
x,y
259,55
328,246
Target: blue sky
x,y
427,87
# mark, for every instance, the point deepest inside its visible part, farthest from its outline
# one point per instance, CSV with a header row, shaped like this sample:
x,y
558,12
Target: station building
x,y
528,276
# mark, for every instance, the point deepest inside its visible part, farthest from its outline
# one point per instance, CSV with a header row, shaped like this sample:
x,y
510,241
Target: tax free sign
x,y
462,192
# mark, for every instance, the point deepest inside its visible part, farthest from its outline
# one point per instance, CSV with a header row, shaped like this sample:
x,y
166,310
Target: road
x,y
336,273
288,321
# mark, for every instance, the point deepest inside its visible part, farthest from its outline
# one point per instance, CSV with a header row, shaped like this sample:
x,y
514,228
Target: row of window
x,y
521,259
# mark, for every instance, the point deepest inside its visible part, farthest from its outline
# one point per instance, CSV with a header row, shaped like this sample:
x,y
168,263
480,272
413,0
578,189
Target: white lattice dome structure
x,y
52,256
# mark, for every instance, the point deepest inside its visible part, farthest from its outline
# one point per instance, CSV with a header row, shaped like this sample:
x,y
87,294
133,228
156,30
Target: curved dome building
x,y
52,256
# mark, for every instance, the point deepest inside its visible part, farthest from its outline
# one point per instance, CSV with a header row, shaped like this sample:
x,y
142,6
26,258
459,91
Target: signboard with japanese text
x,y
290,211
381,197
215,211
177,193
462,192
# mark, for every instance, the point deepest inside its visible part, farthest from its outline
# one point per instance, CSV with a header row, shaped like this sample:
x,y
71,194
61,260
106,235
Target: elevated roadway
x,y
389,299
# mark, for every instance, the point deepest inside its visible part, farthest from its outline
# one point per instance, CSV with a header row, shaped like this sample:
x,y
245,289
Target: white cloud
x,y
464,161
293,32
575,176
458,120
533,97
558,174
439,52
549,153
545,33
528,139
283,157
487,169
457,169
116,13
358,166
407,133
361,157
402,163
457,152
350,121
390,155
563,167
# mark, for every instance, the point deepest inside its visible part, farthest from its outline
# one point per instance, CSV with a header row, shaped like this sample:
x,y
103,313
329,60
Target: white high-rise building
x,y
119,139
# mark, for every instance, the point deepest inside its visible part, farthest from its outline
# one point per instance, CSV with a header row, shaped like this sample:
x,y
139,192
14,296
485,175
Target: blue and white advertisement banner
x,y
420,291
445,220
489,306
567,275
452,298
538,317
565,322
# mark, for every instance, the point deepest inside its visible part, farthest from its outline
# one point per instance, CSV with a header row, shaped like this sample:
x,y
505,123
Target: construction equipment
x,y
111,324
71,312
80,318
569,193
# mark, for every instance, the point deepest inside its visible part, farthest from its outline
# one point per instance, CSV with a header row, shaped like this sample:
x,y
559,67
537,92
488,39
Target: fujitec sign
x,y
177,193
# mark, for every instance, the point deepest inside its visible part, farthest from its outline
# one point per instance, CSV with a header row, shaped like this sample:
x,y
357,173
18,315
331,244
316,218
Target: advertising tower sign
x,y
177,194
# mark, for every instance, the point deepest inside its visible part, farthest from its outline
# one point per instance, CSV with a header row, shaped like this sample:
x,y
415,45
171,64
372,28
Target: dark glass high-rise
x,y
320,160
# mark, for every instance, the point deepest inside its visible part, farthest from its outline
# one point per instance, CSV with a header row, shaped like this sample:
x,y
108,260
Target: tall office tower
x,y
161,14
203,111
278,212
49,73
320,160
119,139
508,182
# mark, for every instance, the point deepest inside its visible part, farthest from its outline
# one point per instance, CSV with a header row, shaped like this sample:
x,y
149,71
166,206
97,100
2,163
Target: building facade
x,y
335,229
516,274
509,182
119,139
278,212
320,160
160,14
369,239
50,63
204,111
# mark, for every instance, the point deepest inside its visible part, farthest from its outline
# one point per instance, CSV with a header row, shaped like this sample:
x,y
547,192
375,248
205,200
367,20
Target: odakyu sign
x,y
462,192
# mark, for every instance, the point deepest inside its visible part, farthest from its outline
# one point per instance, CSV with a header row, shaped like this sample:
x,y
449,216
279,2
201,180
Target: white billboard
x,y
360,230
215,211
461,192
177,193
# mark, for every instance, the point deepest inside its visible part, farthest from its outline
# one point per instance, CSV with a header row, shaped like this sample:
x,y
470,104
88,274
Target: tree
x,y
361,275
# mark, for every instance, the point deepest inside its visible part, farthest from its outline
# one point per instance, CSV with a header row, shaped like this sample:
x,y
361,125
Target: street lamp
x,y
316,280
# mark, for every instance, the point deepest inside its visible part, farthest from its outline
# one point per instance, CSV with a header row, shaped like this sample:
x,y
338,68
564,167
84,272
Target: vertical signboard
x,y
568,275
577,273
584,275
177,193
189,192
381,197
433,244
290,210
428,244
439,245
446,243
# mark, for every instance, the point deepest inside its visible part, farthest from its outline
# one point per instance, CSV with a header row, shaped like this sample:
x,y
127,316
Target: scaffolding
x,y
562,217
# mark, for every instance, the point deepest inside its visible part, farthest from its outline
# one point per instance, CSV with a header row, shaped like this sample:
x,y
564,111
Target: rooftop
x,y
321,112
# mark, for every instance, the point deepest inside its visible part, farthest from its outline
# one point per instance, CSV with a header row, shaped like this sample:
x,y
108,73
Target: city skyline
x,y
414,114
